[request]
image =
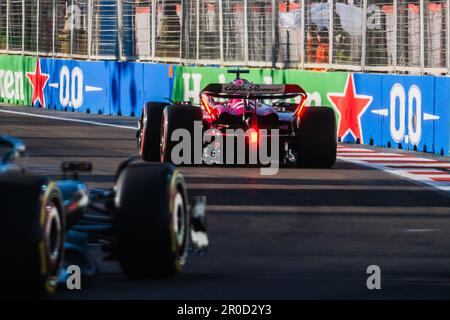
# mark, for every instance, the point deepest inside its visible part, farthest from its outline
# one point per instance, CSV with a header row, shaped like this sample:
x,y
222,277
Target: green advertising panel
x,y
14,85
189,81
317,84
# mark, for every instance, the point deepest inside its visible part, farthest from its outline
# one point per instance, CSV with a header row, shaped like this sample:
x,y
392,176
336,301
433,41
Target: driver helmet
x,y
239,103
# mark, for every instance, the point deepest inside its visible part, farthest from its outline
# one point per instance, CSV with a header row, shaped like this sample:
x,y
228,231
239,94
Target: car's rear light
x,y
254,137
301,107
205,104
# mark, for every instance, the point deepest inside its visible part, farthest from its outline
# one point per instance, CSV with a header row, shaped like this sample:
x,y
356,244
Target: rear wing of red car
x,y
254,91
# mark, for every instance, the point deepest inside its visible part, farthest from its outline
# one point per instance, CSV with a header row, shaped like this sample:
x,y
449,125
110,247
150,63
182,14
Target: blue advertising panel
x,y
368,86
441,120
83,86
410,104
402,113
142,82
104,87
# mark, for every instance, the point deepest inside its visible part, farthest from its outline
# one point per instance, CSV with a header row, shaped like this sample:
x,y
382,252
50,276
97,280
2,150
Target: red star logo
x,y
350,107
38,81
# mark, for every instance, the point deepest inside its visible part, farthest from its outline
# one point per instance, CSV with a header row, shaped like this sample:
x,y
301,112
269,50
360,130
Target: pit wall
x,y
400,111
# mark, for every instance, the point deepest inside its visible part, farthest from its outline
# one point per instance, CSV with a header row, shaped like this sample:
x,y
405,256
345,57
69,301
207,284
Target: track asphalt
x,y
301,234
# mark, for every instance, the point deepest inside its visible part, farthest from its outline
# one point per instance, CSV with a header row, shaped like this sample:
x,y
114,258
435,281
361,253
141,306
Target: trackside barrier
x,y
105,87
14,87
408,112
98,87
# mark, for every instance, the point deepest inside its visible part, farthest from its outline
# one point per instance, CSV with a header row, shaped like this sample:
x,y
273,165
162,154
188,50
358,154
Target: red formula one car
x,y
234,120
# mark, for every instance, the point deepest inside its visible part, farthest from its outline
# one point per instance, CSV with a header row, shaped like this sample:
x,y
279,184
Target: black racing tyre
x,y
152,220
179,117
125,163
316,139
31,236
149,130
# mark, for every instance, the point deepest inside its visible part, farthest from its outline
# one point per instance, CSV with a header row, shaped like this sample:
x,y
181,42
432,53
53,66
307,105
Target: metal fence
x,y
360,35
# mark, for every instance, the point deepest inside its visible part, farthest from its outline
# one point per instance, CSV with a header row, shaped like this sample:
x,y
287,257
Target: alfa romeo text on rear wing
x,y
253,91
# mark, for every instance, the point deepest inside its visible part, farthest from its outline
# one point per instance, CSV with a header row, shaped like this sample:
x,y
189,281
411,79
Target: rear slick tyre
x,y
176,117
150,130
316,138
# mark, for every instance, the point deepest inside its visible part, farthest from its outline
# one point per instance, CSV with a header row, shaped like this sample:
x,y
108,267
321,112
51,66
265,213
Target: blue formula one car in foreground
x,y
145,222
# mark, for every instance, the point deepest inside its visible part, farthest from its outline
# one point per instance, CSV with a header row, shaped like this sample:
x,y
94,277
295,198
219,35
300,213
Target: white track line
x,y
95,123
386,159
364,154
426,177
413,165
354,150
396,169
425,171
